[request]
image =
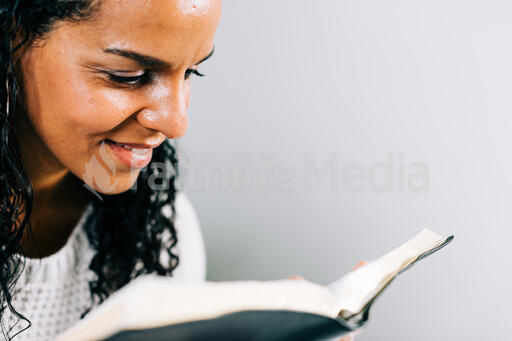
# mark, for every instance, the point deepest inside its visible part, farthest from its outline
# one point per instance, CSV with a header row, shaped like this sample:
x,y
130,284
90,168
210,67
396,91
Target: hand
x,y
351,336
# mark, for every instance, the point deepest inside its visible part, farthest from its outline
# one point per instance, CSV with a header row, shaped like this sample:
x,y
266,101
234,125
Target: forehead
x,y
153,26
157,13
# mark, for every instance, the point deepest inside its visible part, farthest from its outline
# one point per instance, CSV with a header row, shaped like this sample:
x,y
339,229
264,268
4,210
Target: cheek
x,y
66,104
72,113
74,116
91,110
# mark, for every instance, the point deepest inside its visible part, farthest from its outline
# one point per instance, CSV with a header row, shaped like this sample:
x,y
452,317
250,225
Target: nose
x,y
166,109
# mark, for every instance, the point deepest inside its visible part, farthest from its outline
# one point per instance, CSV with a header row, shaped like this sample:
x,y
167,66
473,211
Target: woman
x,y
92,93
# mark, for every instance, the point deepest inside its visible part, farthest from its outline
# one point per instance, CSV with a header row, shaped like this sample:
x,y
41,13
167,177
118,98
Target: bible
x,y
158,308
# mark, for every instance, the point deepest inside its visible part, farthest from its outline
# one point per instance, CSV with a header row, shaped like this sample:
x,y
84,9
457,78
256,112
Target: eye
x,y
133,81
192,71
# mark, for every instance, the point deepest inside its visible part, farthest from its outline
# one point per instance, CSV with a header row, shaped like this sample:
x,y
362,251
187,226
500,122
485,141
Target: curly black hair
x,y
128,231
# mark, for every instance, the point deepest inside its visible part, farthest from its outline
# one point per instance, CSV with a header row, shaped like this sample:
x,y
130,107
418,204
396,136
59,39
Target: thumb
x,y
358,265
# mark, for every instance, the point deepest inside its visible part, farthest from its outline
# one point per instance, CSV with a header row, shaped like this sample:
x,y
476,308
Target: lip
x,y
131,158
139,145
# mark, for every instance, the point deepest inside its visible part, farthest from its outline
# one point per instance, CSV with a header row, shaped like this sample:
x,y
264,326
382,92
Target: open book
x,y
159,308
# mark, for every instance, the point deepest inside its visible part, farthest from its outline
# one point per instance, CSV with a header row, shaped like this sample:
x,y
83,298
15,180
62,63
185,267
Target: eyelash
x,y
145,78
192,71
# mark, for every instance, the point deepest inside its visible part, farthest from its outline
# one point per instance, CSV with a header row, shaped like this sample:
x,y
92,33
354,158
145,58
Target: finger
x,y
295,277
358,265
357,332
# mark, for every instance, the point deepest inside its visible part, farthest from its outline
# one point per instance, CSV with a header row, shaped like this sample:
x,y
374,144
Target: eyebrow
x,y
148,61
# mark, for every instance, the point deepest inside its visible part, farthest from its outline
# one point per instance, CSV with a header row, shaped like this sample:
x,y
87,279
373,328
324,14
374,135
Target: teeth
x,y
134,150
140,150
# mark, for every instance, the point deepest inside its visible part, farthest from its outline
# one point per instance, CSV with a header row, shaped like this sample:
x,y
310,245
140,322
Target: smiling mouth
x,y
131,155
131,147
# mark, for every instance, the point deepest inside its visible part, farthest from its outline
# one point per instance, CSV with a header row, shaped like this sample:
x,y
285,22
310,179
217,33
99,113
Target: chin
x,y
108,185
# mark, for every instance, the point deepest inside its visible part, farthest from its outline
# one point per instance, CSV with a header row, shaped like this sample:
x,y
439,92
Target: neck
x,y
55,213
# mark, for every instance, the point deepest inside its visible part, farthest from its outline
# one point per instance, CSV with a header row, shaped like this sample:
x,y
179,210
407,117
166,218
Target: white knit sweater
x,y
52,292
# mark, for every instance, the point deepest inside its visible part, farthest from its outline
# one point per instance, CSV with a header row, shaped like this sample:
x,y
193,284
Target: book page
x,y
152,301
357,288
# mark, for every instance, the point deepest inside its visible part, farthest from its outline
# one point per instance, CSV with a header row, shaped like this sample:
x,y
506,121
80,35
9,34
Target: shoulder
x,y
184,209
191,250
185,212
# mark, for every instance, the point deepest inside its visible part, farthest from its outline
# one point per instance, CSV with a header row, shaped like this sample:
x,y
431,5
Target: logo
x,y
98,176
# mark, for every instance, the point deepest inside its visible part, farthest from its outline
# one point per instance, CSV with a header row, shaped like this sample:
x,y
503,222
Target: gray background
x,y
327,132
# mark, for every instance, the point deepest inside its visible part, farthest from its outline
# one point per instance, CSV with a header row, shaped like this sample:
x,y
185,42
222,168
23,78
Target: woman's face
x,y
77,103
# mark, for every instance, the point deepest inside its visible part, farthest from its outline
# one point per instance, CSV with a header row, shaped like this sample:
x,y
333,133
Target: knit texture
x,y
53,292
